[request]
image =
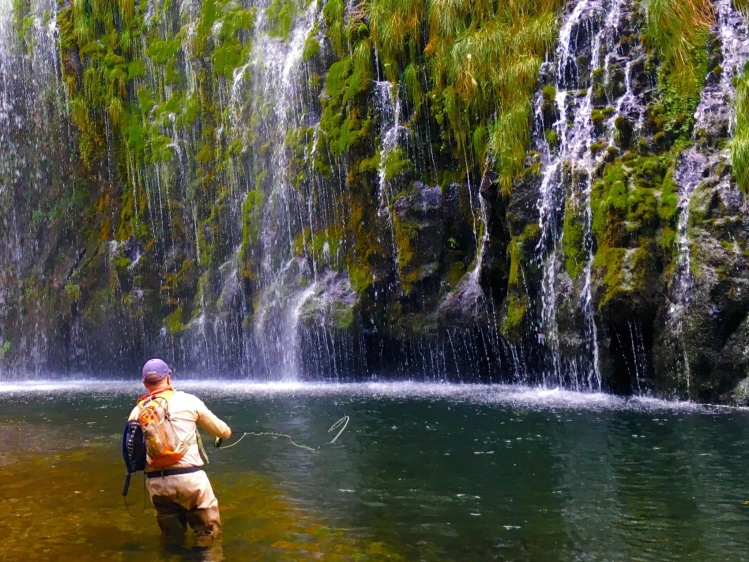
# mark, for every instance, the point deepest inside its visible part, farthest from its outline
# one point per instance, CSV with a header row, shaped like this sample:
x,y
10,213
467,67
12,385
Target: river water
x,y
422,472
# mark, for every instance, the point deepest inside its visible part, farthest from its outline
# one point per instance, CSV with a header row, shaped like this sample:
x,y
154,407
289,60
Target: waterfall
x,y
639,357
36,169
265,188
391,132
567,157
285,280
713,109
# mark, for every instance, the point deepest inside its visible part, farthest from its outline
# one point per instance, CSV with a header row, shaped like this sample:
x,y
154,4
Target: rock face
x,y
548,193
709,354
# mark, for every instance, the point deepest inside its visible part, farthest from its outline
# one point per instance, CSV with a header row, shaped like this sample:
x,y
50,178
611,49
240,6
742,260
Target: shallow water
x,y
422,472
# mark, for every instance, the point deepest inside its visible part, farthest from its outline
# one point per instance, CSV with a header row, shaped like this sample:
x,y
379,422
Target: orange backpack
x,y
163,447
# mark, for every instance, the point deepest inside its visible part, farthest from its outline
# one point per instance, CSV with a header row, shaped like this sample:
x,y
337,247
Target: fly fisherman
x,y
179,488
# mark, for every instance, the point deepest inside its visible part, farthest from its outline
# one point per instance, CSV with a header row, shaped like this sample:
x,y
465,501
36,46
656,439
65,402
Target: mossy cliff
x,y
339,189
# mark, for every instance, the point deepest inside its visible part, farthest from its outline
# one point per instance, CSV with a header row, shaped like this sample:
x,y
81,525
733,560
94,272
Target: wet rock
x,y
522,209
739,396
616,86
710,347
624,130
466,306
330,304
418,234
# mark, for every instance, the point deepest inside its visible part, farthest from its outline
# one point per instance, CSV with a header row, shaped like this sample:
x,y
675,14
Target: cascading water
x,y
639,357
37,182
285,280
714,110
389,107
245,193
169,178
565,142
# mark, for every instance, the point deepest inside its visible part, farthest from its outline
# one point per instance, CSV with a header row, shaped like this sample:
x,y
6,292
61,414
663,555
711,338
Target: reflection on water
x,y
423,472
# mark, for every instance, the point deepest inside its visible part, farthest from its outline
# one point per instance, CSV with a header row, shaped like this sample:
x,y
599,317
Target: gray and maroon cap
x,y
154,370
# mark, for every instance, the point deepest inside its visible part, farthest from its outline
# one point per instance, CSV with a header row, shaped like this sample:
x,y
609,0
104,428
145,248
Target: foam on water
x,y
534,397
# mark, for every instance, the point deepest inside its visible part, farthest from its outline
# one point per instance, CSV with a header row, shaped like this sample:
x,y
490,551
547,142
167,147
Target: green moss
x,y
515,255
513,322
23,24
397,163
608,263
641,204
280,14
668,237
226,58
341,123
573,239
336,80
669,199
405,235
360,275
162,147
5,346
623,134
636,192
163,51
455,273
174,322
122,262
634,206
343,316
311,47
552,138
324,245
231,52
333,13
72,291
252,210
520,253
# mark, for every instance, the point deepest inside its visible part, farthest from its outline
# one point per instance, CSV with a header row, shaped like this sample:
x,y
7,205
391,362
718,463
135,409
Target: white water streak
x,y
734,36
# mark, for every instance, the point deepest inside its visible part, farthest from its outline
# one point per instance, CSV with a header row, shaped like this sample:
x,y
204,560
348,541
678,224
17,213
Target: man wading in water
x,y
180,491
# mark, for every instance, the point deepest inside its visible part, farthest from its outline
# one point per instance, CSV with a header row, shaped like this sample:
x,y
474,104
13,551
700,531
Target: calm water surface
x,y
423,472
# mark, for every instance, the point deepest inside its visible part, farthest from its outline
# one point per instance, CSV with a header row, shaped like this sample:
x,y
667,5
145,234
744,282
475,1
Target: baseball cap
x,y
155,369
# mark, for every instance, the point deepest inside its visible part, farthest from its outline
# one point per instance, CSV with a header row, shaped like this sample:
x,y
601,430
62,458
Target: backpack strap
x,y
201,449
143,399
165,394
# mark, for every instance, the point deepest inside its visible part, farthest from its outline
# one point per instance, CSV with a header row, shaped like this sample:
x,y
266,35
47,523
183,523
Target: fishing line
x,y
342,423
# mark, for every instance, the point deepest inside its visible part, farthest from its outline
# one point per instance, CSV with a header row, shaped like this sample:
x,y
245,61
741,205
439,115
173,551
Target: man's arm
x,y
212,424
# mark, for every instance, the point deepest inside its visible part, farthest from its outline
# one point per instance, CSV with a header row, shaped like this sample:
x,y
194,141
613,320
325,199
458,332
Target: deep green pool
x,y
423,472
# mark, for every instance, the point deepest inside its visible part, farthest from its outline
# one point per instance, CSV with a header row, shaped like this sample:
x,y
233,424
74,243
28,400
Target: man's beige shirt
x,y
187,411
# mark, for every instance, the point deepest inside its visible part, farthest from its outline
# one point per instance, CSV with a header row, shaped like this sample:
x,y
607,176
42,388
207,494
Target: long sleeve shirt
x,y
187,412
